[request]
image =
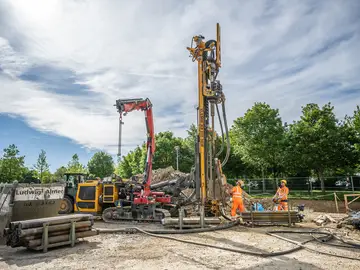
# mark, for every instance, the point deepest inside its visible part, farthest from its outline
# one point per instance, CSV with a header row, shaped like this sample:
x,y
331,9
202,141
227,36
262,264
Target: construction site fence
x,y
301,184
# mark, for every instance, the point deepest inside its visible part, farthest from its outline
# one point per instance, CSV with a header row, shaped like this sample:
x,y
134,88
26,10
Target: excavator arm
x,y
125,106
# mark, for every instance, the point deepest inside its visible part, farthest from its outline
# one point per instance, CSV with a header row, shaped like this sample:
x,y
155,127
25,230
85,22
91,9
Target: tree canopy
x,y
74,166
12,164
101,165
42,167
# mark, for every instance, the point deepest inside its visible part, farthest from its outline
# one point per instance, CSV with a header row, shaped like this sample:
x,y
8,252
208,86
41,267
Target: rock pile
x,y
164,174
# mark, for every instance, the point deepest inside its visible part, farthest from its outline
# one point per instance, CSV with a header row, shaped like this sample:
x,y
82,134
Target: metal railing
x,y
302,184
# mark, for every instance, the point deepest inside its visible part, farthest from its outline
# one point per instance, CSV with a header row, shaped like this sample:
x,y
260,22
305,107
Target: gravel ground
x,y
138,251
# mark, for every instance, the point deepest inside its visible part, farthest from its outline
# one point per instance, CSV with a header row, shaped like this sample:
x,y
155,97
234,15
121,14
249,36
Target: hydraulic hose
x,y
222,131
227,135
300,245
349,244
241,251
329,237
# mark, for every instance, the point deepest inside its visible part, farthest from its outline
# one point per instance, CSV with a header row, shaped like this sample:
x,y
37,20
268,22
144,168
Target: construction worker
x,y
237,198
281,196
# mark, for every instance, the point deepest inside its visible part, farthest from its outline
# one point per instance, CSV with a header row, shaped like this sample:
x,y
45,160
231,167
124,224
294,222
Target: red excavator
x,y
142,203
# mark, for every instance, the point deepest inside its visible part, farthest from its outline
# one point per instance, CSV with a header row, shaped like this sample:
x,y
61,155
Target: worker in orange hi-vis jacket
x,y
237,198
282,196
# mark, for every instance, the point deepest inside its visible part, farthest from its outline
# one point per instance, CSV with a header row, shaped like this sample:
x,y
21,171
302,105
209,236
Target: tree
x,y
101,165
41,166
258,138
137,160
165,154
59,173
124,168
74,166
12,165
48,177
318,142
30,176
133,163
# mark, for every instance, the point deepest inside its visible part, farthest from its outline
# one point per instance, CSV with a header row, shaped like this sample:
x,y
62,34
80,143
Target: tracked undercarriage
x,y
138,213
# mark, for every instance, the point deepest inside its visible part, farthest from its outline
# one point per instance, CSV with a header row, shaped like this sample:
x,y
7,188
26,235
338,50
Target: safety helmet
x,y
241,182
283,181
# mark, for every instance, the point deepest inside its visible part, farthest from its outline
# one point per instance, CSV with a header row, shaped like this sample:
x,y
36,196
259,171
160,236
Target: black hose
x,y
222,131
222,248
300,245
348,243
330,236
156,234
227,136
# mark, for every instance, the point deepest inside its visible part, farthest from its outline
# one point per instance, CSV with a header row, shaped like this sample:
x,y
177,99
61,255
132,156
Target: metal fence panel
x,y
301,184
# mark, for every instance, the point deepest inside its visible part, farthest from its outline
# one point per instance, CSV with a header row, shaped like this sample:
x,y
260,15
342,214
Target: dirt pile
x,y
164,174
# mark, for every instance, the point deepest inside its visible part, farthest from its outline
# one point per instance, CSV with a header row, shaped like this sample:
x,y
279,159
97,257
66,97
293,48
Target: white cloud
x,y
272,51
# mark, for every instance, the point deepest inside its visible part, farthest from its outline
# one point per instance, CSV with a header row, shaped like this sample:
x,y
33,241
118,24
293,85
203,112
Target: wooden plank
x,y
354,199
336,203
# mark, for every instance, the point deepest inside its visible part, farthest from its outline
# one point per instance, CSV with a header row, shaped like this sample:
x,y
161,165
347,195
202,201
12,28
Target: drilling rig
x,y
210,180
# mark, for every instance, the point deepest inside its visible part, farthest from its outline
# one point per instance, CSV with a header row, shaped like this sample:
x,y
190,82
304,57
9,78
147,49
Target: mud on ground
x,y
138,251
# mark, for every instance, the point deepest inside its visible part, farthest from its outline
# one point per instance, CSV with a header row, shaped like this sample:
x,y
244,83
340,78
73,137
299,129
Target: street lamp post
x,y
177,157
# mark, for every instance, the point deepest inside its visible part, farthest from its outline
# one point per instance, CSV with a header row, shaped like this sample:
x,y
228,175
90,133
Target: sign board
x,y
38,193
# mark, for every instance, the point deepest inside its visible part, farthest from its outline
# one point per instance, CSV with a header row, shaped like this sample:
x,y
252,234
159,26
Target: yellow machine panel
x,y
87,197
110,193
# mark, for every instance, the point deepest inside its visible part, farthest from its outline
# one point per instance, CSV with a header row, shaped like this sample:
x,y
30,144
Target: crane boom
x,y
125,106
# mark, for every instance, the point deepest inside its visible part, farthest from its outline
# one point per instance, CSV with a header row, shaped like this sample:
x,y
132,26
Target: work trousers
x,y
283,206
237,204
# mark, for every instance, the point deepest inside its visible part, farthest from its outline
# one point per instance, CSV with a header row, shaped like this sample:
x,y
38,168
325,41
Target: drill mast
x,y
209,168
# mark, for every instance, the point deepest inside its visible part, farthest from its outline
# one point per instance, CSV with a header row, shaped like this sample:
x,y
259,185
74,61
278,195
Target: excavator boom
x,y
125,106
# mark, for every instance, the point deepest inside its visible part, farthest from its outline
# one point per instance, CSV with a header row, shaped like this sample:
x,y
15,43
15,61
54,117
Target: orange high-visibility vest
x,y
282,193
237,192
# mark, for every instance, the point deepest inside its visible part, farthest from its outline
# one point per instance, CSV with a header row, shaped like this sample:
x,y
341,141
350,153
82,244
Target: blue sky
x,y
64,63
